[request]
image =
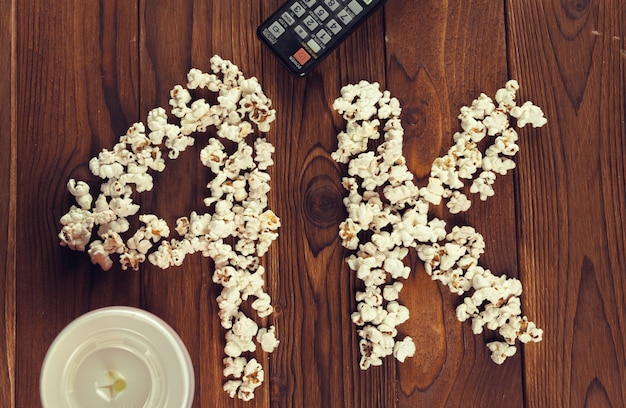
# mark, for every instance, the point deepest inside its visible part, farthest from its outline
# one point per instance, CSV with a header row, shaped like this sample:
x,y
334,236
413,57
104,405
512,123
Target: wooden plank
x,y
7,204
569,57
455,52
317,361
165,57
185,296
76,65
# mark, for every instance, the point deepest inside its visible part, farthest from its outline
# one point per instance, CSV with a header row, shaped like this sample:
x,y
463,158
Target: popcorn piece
x,y
263,305
182,226
231,387
497,164
348,231
234,367
403,349
239,337
179,98
396,268
113,243
139,243
484,185
392,292
213,155
77,226
198,79
160,129
99,255
264,151
496,122
132,259
156,228
253,376
528,114
80,190
500,351
267,339
123,206
458,203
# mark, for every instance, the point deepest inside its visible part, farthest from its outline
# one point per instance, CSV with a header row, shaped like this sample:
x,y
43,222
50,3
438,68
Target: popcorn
x,y
497,164
250,375
132,259
264,151
484,185
253,376
403,349
392,292
77,227
528,114
506,96
236,204
139,243
458,203
239,337
500,351
123,206
113,243
234,366
156,228
398,219
231,387
267,339
99,255
80,190
179,98
496,122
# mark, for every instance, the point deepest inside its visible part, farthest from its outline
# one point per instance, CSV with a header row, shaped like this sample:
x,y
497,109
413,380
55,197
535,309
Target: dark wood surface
x,y
77,74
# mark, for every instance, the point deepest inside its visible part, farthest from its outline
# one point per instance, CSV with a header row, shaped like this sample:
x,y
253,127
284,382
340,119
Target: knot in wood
x,y
414,117
323,205
575,9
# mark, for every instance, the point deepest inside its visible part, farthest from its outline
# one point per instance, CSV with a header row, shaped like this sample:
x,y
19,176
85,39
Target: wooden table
x,y
78,74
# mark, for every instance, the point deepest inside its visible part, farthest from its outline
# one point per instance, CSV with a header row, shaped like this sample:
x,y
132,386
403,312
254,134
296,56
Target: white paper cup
x,y
117,357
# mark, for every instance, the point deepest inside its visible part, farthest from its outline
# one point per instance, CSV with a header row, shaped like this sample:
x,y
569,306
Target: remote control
x,y
303,32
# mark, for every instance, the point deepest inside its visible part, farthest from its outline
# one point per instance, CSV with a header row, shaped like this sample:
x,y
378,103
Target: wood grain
x,y
78,75
569,57
75,62
318,364
457,51
7,204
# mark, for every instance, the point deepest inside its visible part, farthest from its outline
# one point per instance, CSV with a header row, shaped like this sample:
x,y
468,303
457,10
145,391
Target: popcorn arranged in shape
x,y
388,214
237,206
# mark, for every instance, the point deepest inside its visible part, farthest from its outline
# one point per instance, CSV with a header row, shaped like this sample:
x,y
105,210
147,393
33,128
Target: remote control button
x,y
310,22
355,7
321,13
324,36
367,2
315,47
302,33
287,18
310,3
332,4
334,26
297,9
277,29
344,16
302,56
